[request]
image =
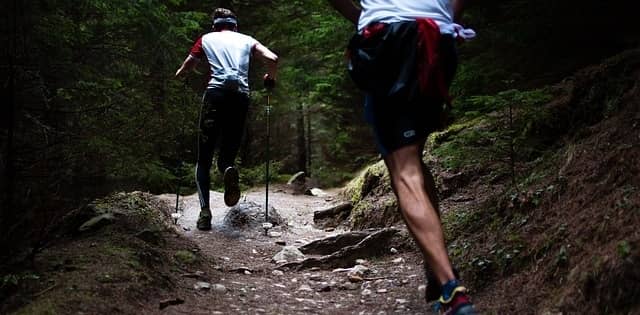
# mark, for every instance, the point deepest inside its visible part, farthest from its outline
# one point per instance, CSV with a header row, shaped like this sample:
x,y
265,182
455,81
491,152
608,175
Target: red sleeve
x,y
196,50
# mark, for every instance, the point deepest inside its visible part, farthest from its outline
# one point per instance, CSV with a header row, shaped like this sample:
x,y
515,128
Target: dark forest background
x,y
90,104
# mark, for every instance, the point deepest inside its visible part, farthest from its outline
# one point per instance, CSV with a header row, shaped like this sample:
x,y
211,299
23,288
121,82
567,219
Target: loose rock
x,y
349,286
315,277
201,285
355,279
288,253
165,303
358,271
219,288
323,287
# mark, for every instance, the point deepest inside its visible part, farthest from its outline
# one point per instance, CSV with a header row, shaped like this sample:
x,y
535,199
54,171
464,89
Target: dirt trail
x,y
241,261
297,210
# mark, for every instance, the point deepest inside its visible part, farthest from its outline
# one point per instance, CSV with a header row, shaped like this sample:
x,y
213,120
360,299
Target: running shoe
x,y
458,303
204,220
231,186
434,289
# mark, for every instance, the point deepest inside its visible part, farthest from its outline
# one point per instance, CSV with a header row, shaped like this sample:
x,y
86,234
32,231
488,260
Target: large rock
x,y
374,204
297,178
97,222
250,215
333,216
331,244
315,192
298,183
375,244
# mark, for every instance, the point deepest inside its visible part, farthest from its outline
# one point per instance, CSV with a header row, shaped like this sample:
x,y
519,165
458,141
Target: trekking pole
x,y
266,201
269,83
176,215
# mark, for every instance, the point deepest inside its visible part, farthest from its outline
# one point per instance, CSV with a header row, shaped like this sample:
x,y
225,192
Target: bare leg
x,y
429,182
419,209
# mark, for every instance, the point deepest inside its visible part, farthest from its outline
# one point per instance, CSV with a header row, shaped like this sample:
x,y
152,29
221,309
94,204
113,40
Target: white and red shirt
x,y
391,11
229,56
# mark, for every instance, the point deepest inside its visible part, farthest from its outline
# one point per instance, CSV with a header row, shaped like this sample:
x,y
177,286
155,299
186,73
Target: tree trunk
x,y
9,169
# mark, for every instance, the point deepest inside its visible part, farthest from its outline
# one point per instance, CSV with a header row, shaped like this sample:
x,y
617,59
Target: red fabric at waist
x,y
430,72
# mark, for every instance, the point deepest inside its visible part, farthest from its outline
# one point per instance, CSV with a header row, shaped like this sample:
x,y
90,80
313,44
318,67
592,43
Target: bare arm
x,y
269,58
348,9
187,65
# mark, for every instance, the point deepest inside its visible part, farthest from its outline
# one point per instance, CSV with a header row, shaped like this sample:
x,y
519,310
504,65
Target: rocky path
x,y
240,275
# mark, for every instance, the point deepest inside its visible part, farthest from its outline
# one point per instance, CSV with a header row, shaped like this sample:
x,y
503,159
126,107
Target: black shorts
x,y
399,121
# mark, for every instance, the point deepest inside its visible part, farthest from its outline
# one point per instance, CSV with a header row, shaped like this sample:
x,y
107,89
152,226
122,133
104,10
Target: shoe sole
x,y
231,187
466,310
204,228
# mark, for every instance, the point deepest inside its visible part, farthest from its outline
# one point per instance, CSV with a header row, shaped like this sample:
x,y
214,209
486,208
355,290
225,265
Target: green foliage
x,y
623,249
333,176
358,188
501,100
464,220
108,66
562,257
486,241
256,176
470,147
312,76
185,257
13,280
497,129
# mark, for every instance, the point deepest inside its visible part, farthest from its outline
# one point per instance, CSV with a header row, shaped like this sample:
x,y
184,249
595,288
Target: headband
x,y
227,20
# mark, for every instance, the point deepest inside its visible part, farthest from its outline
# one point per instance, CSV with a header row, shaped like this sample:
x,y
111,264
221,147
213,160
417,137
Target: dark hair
x,y
223,13
224,19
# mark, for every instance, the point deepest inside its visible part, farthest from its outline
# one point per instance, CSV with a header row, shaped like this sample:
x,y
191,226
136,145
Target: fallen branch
x,y
45,290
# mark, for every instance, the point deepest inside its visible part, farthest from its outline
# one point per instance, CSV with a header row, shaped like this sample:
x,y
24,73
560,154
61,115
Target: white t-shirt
x,y
390,11
229,56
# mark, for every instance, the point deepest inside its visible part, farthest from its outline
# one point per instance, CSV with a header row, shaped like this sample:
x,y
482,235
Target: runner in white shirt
x,y
225,102
406,78
441,11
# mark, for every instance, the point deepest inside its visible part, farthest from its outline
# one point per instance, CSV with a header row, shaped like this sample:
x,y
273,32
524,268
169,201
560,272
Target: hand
x,y
269,82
